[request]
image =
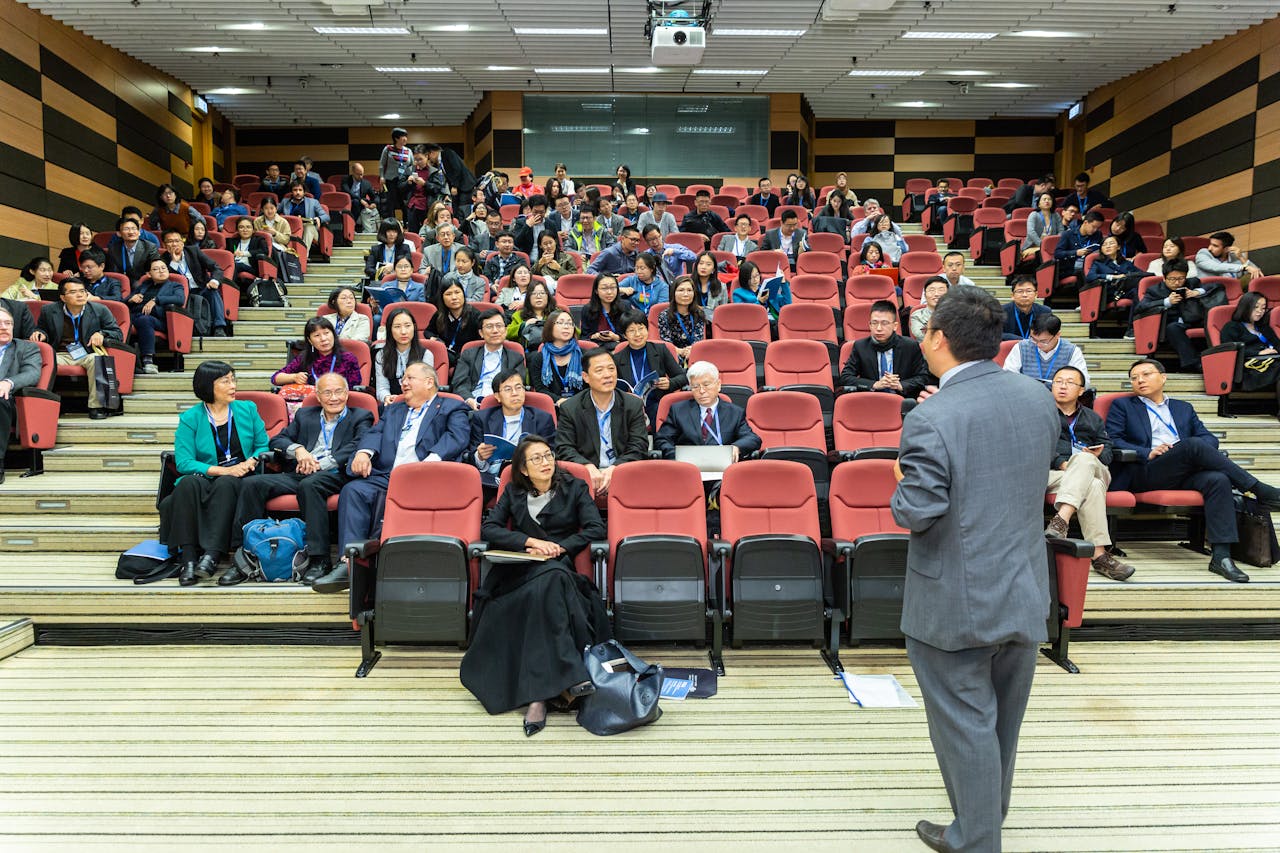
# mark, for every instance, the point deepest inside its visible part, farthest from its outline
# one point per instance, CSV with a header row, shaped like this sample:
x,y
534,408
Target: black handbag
x,y
627,690
1257,543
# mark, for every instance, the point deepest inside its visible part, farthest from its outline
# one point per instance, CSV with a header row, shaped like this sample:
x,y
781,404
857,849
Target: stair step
x,y
67,493
86,458
57,533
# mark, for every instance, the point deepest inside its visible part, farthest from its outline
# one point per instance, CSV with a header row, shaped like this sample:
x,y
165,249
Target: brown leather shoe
x,y
931,834
1057,528
1109,567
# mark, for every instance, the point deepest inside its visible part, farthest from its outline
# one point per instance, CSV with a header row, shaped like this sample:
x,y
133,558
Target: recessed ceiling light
x,y
744,72
452,28
719,129
640,131
560,31
963,36
413,69
884,72
501,68
648,69
391,116
914,104
252,26
1008,85
362,31
969,72
580,128
233,90
571,71
1050,34
718,31
210,49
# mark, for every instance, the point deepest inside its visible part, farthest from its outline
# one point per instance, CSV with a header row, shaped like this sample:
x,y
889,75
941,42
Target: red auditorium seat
x,y
36,417
1223,363
872,548
802,213
737,365
790,426
823,242
820,263
574,289
342,223
920,243
1268,286
422,312
988,235
913,201
816,289
271,409
867,425
414,584
692,242
868,289
802,365
770,261
959,225
758,212
807,321
920,263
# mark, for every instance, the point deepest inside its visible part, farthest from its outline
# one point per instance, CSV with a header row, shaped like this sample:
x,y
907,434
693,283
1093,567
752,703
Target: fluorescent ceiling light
x,y
723,129
1008,85
719,31
648,69
737,72
639,131
413,69
571,71
1050,34
969,72
233,90
963,36
210,49
884,72
687,109
580,128
914,104
362,31
502,68
253,26
391,115
604,106
560,31
452,28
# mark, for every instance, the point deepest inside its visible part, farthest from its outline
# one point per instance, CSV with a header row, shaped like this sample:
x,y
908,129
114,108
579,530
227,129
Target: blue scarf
x,y
573,371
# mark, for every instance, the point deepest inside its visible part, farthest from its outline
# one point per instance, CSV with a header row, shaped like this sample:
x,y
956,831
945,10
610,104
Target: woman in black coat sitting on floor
x,y
532,619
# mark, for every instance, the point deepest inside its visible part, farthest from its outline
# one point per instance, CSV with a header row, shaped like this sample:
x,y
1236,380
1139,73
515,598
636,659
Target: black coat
x,y
143,254
862,370
201,266
570,518
259,248
659,360
96,319
683,426
470,364
24,325
305,430
1090,431
578,431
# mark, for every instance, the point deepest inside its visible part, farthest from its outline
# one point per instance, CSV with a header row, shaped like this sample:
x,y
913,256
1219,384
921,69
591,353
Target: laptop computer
x,y
711,460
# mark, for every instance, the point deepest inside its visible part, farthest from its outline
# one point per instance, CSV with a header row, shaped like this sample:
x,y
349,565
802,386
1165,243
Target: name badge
x,y
76,351
610,455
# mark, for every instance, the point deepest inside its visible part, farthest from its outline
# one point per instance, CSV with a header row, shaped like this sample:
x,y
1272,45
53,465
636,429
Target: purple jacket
x,y
344,363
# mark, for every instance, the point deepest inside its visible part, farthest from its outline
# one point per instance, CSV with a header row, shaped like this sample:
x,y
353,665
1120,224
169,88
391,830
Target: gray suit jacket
x,y
973,459
21,364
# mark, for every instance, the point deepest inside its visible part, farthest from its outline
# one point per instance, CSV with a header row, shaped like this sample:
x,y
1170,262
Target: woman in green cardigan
x,y
217,443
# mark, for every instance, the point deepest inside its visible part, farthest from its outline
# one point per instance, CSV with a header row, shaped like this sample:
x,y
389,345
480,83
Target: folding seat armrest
x,y
768,387
1227,347
1125,455
599,551
364,550
654,454
874,453
718,551
848,389
37,394
843,547
1071,547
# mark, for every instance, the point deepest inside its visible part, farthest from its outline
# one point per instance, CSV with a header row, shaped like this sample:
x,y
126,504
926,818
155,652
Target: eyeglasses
x,y
332,392
702,386
1066,383
540,458
880,324
75,291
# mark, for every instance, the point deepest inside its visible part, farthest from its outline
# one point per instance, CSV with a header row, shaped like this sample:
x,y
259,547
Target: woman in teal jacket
x,y
217,443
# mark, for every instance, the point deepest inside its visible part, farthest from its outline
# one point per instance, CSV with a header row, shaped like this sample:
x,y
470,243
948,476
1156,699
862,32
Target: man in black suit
x,y
133,255
477,367
422,427
528,228
24,325
1176,451
601,427
317,447
886,361
788,238
702,219
73,327
19,368
204,277
764,197
364,201
456,174
1172,295
512,420
706,419
93,269
504,258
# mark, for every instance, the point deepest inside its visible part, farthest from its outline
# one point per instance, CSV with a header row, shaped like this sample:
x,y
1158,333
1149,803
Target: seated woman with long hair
x,y
322,353
683,323
1173,249
871,258
516,289
531,620
553,261
602,315
1261,352
706,280
215,446
79,238
199,237
456,323
528,321
556,368
891,243
401,347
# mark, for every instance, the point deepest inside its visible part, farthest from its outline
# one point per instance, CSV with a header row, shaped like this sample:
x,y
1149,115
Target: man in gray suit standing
x,y
976,599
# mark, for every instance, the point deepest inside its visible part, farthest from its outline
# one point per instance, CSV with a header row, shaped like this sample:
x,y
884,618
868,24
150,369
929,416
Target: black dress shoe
x,y
206,567
97,414
319,567
232,576
187,577
335,581
931,834
1,475
1228,569
220,332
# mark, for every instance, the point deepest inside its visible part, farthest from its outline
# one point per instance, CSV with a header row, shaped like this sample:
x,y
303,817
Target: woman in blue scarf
x,y
556,368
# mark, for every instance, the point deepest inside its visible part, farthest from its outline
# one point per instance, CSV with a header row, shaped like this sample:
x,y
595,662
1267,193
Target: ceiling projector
x,y
677,45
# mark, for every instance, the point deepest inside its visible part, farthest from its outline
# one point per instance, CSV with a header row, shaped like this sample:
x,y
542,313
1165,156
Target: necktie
x,y
444,259
706,426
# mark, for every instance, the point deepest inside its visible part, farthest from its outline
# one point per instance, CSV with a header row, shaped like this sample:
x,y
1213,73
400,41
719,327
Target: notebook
x,y
710,459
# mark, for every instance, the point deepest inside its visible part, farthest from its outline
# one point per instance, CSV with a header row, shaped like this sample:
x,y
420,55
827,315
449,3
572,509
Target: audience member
x,y
1125,231
1027,194
364,201
79,240
270,220
321,353
601,427
401,339
1261,353
473,379
528,320
936,200
457,178
20,365
842,186
422,427
199,237
659,216
456,322
389,248
1173,249
1184,308
134,213
203,275
739,243
934,289
706,419
1042,222
512,293
702,219
556,368
870,258
553,261
76,329
953,269
273,182
648,368
216,446
313,216
674,257
228,205
788,238
886,361
463,273
1116,274
317,446
504,259
602,315
1019,313
764,197
644,287
630,209
566,183
36,275
147,301
588,236
437,215
1079,474
206,195
441,255
801,194
93,268
526,229
560,220
526,187
511,419
1086,199
620,258
132,256
712,292
1078,243
310,182
348,322
1045,351
683,323
1176,451
1223,258
891,242
623,184
873,212
171,212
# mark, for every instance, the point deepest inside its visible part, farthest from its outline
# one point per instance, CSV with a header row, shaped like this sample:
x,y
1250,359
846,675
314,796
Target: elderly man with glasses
x,y
1079,475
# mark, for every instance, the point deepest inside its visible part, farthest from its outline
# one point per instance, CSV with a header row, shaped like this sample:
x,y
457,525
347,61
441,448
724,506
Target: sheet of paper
x,y
676,688
876,691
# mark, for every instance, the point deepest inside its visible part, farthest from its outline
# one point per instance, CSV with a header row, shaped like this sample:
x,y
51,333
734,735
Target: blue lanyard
x,y
333,364
326,437
687,331
1017,318
412,418
1045,377
75,322
608,320
606,438
639,369
224,453
713,430
1071,428
1153,410
560,374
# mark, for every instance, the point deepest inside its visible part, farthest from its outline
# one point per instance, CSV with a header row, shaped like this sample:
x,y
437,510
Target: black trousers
x,y
312,491
1194,464
1176,335
200,512
8,414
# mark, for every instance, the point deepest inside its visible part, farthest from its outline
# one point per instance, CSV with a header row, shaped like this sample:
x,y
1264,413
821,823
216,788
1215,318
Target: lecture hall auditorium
x,y
170,716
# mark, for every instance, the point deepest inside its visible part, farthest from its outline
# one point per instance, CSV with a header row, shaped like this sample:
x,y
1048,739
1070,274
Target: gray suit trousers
x,y
974,700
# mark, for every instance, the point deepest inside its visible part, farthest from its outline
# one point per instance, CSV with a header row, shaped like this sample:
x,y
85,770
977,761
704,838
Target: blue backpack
x,y
274,550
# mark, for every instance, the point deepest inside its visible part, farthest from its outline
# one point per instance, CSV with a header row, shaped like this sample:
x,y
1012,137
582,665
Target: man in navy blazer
x,y
423,427
512,420
725,423
1175,451
317,445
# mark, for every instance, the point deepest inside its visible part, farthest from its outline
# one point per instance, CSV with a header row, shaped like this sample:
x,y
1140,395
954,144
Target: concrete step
x,y
56,533
72,493
86,458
